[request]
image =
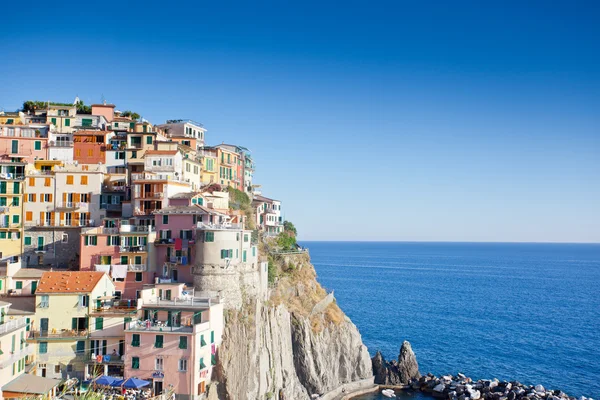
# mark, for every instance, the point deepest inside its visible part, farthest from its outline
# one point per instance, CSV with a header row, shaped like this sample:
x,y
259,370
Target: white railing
x,y
12,325
17,355
202,225
178,302
136,228
136,267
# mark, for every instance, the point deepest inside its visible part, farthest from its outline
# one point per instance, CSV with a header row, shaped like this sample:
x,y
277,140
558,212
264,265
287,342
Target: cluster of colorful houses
x,y
119,250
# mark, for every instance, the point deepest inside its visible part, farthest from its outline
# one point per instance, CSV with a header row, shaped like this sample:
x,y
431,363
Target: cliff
x,y
295,344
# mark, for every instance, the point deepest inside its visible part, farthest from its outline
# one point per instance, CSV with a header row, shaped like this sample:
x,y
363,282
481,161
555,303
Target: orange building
x,y
89,147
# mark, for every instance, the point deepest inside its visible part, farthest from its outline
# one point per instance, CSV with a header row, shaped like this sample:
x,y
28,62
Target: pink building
x,y
175,344
22,147
176,237
122,249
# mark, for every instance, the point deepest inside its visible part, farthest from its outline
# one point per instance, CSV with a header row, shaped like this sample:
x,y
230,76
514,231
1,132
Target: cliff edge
x,y
293,345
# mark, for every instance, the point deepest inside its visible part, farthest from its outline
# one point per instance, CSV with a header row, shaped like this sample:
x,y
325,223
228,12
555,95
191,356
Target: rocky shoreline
x,y
404,374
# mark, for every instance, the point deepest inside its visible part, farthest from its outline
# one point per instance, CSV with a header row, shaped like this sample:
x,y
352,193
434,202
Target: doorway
x,y
43,326
158,387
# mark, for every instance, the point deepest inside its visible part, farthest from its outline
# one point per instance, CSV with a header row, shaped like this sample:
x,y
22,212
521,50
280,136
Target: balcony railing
x,y
56,334
201,302
60,143
137,267
202,225
111,207
122,306
17,355
59,223
160,326
132,249
136,228
12,325
115,188
10,225
110,231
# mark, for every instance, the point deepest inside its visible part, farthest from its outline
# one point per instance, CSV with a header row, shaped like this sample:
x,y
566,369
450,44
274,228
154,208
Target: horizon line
x,y
441,241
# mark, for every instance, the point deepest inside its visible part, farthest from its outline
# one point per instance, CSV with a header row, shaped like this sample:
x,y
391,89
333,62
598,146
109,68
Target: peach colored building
x,y
176,342
89,147
106,110
23,142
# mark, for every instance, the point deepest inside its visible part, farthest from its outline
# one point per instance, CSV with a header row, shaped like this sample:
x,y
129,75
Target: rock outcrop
x,y
396,373
283,349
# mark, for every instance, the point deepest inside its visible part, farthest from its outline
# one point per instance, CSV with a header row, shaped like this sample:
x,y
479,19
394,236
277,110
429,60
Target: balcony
x,y
181,260
132,249
10,225
164,241
116,307
60,143
113,188
111,207
137,267
224,226
136,229
186,302
58,335
11,326
109,231
17,355
158,326
67,205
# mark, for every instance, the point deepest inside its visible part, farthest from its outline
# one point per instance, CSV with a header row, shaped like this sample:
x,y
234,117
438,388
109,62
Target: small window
x,y
148,139
182,364
135,363
209,236
65,238
158,342
67,122
80,346
38,145
57,368
84,179
99,324
69,179
135,340
27,240
138,276
19,284
165,219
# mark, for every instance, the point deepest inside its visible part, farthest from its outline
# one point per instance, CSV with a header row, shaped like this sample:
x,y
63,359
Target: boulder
x,y
439,388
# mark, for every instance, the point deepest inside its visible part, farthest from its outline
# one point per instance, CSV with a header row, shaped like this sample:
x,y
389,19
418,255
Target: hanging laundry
x,y
119,271
184,260
106,358
102,268
178,243
185,244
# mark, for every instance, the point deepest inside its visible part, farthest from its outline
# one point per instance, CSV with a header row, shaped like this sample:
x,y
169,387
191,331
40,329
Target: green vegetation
x,y
239,200
288,226
286,240
32,105
272,271
130,114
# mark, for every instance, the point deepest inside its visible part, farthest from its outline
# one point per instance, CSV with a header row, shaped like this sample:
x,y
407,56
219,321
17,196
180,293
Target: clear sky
x,y
452,121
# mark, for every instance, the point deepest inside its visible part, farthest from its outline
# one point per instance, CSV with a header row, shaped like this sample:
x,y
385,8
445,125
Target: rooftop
x,y
28,273
160,152
21,305
69,282
30,384
187,195
262,199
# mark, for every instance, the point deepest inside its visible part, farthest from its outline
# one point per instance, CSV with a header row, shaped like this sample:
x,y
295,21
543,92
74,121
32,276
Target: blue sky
x,y
451,121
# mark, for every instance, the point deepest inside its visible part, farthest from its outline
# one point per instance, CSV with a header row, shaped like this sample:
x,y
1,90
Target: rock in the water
x,y
407,363
439,388
399,372
539,388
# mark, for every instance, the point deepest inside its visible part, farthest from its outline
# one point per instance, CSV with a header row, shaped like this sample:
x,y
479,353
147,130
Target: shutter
x,y
42,216
49,197
77,198
74,321
87,240
62,217
64,198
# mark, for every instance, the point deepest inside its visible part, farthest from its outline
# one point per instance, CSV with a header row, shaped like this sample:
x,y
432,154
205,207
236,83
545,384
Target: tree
x,y
130,114
289,227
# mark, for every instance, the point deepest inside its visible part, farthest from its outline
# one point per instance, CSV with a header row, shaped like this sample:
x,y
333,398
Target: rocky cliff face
x,y
288,347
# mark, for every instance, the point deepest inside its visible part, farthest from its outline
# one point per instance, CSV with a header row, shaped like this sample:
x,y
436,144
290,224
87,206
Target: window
x,y
202,341
19,284
182,364
134,154
84,300
31,198
80,346
67,122
84,179
158,364
44,301
90,152
148,139
212,336
158,342
47,198
165,219
15,219
86,122
69,179
27,240
138,276
116,124
37,145
65,238
135,363
53,120
43,348
99,323
32,182
253,251
209,236
226,253
245,238
183,342
57,369
47,182
202,365
135,340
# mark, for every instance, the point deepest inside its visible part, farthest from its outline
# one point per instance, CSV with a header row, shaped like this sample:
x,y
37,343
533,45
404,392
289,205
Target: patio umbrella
x,y
105,380
131,383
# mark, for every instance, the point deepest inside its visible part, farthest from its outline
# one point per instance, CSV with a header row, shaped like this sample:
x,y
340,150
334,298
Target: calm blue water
x,y
527,312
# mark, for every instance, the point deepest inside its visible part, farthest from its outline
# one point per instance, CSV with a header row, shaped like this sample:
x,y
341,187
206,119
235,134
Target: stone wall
x,y
58,254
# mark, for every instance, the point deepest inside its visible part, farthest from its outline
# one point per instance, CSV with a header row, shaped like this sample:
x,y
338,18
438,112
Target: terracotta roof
x,y
69,282
161,152
122,119
262,199
103,105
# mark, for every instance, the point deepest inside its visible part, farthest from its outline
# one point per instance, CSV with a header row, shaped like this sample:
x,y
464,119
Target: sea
x,y
514,311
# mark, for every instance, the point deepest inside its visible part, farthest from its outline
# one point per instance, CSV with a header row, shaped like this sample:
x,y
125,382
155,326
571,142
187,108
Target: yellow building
x,y
12,175
210,165
10,119
17,358
64,301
